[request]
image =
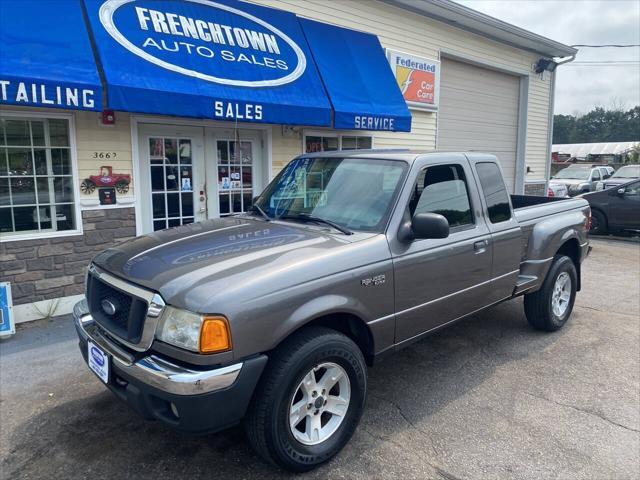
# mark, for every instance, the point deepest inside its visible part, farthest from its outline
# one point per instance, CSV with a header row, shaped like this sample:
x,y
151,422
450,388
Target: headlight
x,y
195,332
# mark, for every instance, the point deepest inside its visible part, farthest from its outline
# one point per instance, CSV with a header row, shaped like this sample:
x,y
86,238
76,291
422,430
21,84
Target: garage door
x,y
479,111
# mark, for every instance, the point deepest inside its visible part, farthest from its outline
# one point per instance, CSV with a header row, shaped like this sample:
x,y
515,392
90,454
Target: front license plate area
x,y
98,361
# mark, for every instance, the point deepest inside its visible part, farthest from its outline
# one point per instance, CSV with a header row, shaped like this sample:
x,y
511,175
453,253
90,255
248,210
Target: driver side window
x,y
632,190
443,189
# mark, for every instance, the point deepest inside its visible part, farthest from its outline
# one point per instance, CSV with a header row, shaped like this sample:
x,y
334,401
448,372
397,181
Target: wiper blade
x,y
264,215
305,217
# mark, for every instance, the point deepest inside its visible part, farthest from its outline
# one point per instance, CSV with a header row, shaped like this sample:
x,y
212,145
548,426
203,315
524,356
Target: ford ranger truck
x,y
271,317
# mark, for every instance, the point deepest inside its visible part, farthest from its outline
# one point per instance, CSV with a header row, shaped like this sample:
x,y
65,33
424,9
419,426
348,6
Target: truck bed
x,y
529,207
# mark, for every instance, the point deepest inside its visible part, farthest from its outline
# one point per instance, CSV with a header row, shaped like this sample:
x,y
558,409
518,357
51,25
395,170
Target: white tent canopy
x,y
581,150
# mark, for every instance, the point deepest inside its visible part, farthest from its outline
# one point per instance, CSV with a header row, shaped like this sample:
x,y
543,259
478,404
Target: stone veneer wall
x,y
537,189
55,267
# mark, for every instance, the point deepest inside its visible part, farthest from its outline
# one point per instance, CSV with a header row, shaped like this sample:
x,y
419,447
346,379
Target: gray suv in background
x,y
271,318
580,178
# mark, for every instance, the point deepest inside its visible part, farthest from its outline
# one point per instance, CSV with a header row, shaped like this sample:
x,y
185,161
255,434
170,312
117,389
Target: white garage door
x,y
479,111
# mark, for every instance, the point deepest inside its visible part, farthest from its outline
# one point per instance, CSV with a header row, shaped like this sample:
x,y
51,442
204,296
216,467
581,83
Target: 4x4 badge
x,y
375,281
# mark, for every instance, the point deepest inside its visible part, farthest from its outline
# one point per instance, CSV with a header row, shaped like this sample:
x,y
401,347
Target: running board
x,y
524,282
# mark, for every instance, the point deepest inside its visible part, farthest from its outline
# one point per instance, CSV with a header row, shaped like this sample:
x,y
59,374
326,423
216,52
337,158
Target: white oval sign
x,y
109,8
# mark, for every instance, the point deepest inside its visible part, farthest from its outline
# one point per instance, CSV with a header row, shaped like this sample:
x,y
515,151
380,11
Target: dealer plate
x,y
98,361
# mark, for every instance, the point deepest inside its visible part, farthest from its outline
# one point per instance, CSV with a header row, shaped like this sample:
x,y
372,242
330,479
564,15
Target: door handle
x,y
480,246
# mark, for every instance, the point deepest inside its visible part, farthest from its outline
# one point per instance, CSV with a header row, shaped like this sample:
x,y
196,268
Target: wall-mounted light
x,y
108,117
545,64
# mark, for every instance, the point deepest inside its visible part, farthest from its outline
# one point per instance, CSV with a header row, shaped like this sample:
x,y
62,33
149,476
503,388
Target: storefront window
x,y
356,143
329,143
36,177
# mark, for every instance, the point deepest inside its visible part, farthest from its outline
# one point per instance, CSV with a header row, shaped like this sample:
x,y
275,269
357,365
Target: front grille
x,y
127,322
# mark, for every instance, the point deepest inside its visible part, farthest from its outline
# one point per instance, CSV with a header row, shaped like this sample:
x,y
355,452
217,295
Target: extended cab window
x,y
495,193
443,189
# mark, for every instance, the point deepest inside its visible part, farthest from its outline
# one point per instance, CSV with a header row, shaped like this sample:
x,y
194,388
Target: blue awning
x,y
45,56
222,59
357,77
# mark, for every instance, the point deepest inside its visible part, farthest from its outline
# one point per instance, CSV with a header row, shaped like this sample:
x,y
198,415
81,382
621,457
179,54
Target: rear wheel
x,y
122,187
549,308
598,223
87,187
309,401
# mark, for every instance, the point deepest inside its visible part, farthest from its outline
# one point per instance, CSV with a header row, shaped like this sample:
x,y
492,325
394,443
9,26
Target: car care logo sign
x,y
418,79
206,40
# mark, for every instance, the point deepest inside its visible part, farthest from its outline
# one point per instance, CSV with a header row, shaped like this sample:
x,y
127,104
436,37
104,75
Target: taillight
x,y
587,221
550,192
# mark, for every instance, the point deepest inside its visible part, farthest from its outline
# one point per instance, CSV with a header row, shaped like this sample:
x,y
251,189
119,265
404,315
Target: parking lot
x,y
487,398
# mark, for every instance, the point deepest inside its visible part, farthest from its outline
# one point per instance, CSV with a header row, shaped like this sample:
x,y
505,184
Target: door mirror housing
x,y
620,192
429,225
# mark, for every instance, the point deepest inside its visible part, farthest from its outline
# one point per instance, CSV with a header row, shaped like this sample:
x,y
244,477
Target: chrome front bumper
x,y
153,370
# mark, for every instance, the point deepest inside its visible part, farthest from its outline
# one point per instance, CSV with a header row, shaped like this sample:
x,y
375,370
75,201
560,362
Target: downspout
x,y
552,97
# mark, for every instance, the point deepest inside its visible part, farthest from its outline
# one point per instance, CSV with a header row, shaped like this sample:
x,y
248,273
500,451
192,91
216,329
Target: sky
x,y
579,88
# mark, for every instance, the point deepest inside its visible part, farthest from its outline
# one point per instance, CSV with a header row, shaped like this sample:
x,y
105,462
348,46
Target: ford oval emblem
x,y
108,307
206,40
97,356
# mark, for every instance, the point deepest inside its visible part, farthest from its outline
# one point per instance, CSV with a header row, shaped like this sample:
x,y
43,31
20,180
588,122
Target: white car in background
x,y
557,190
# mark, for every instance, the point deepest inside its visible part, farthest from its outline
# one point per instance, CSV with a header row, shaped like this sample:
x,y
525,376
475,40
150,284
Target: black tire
x,y
267,421
538,305
598,223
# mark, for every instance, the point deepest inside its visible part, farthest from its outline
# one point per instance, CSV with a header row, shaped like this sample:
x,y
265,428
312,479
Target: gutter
x,y
476,22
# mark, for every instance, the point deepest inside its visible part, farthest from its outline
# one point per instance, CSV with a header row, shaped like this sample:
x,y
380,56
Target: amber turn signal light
x,y
215,335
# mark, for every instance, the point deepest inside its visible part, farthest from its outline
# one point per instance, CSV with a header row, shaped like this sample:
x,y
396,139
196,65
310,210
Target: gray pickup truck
x,y
271,317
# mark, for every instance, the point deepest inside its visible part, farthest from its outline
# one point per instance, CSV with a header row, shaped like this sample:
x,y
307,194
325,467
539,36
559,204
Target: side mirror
x,y
429,225
620,192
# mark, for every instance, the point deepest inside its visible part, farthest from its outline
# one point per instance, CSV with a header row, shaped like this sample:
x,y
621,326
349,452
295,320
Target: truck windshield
x,y
576,173
356,194
631,171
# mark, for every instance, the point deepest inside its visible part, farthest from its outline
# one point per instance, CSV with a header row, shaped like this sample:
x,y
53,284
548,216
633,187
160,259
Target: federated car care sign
x,y
213,41
220,59
418,79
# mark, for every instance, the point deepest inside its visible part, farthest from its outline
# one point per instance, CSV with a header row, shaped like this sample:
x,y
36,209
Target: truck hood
x,y
176,260
615,182
567,181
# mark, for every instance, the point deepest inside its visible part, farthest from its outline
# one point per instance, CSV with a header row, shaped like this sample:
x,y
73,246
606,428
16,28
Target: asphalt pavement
x,y
488,398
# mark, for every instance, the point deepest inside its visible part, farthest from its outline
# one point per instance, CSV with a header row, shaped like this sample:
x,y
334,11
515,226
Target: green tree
x,y
598,125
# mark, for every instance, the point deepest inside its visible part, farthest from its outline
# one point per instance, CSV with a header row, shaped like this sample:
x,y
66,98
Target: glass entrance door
x,y
235,176
171,176
171,173
236,170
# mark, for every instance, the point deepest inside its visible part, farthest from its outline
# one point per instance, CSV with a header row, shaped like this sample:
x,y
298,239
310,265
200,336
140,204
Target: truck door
x,y
506,234
440,280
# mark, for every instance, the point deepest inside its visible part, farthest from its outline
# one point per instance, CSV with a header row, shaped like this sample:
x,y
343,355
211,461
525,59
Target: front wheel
x,y
549,308
309,401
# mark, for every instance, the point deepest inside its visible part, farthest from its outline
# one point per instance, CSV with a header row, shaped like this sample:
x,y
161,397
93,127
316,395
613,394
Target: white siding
x,y
94,138
405,31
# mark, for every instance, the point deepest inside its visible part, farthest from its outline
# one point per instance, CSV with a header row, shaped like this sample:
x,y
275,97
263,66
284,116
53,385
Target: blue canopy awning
x,y
45,56
357,77
222,59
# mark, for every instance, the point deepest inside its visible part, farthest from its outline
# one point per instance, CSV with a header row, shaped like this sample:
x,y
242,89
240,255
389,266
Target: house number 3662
x,y
104,155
